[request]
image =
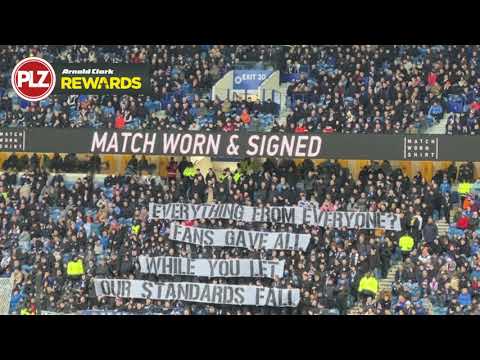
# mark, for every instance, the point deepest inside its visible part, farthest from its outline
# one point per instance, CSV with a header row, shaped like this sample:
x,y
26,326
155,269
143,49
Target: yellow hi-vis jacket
x,y
406,243
25,311
237,176
464,188
75,268
189,172
369,284
135,229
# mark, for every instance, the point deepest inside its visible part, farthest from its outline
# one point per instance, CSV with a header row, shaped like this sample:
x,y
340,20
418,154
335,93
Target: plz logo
x,y
33,79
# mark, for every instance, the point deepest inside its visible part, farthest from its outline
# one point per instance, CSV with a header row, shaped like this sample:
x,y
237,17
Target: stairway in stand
x,y
385,285
442,226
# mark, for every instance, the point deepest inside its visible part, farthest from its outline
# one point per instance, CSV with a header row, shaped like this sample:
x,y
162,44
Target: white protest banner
x,y
276,214
198,292
252,240
172,265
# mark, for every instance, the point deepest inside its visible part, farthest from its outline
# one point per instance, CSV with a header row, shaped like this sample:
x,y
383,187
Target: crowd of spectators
x,y
48,225
383,89
182,77
348,89
440,274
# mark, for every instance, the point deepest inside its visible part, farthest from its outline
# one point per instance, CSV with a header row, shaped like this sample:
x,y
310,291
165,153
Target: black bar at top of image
x,y
250,144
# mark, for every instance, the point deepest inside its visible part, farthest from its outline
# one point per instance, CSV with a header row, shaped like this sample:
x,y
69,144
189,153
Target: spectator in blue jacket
x,y
445,186
436,111
465,298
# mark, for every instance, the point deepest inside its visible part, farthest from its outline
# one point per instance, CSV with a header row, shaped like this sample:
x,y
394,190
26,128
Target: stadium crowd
x,y
348,89
50,226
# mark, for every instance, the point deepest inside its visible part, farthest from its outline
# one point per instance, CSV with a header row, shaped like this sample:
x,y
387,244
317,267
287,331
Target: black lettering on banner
x,y
256,214
260,268
279,242
279,292
322,218
253,239
296,240
167,266
334,219
238,212
177,211
217,210
177,231
177,266
307,213
195,209
115,287
227,294
160,290
329,219
171,291
187,235
204,211
370,220
288,214
167,210
146,286
153,264
276,214
239,295
240,241
259,296
339,220
211,209
360,220
205,297
190,267
263,240
213,266
194,292
265,214
264,267
126,288
105,285
208,238
234,267
228,214
217,294
182,291
223,268
348,219
286,244
289,297
197,236
272,265
271,299
185,211
230,238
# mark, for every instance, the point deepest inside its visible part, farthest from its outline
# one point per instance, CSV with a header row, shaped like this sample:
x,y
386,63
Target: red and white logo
x,y
33,79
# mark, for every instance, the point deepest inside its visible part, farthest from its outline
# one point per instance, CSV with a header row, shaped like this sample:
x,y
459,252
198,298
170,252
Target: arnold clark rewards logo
x,y
34,79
